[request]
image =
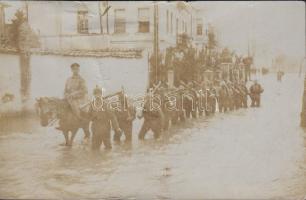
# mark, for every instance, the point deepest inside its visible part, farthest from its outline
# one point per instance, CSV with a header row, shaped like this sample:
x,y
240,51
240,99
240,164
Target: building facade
x,y
113,24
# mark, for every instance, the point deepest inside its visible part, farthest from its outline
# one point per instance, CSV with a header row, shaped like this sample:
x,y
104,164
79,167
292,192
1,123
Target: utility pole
x,y
100,14
303,113
27,11
107,29
156,41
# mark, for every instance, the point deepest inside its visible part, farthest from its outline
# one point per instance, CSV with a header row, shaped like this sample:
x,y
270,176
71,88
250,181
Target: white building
x,y
128,24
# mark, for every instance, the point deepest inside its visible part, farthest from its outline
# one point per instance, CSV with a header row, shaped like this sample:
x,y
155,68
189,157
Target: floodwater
x,y
256,153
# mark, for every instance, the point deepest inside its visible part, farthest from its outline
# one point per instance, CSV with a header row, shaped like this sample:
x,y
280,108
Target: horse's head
x,y
46,110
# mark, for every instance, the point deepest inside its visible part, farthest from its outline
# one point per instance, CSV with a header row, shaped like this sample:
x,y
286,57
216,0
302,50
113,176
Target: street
x,y
256,153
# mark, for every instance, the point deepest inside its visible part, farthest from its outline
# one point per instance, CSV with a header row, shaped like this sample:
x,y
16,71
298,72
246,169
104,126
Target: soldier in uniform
x,y
76,94
76,90
212,93
244,90
255,92
102,118
237,95
153,118
223,98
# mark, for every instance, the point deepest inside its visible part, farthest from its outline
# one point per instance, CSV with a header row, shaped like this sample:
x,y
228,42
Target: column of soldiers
x,y
163,106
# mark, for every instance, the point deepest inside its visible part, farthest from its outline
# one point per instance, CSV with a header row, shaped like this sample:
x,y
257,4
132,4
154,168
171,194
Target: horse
x,y
50,109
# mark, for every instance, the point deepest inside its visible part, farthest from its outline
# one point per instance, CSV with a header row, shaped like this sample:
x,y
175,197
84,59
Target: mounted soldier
x,y
76,94
76,90
67,111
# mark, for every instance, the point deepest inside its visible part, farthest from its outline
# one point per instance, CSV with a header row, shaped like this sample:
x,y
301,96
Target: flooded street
x,y
249,153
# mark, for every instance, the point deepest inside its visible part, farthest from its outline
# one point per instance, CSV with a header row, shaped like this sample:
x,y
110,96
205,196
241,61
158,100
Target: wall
x,y
88,42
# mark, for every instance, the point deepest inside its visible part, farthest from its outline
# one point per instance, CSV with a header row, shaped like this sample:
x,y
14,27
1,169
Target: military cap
x,y
75,65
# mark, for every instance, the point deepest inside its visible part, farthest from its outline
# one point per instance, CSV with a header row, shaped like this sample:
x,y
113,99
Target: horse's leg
x,y
143,130
85,128
66,135
73,133
156,128
117,134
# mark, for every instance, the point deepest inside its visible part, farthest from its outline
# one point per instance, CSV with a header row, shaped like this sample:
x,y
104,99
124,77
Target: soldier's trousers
x,y
223,106
150,124
101,132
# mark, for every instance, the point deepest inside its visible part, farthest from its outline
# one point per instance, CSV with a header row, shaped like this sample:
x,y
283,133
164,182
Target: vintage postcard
x,y
152,100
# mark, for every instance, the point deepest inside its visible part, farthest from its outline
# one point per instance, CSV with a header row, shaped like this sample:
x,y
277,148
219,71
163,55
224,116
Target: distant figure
x,y
255,92
280,75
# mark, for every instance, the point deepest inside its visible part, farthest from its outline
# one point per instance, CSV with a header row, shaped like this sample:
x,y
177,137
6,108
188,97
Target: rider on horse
x,y
75,91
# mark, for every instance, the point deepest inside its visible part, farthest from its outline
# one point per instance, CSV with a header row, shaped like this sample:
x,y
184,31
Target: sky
x,y
273,27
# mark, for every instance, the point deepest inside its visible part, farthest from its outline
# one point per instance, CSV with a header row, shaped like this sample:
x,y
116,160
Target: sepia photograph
x,y
152,100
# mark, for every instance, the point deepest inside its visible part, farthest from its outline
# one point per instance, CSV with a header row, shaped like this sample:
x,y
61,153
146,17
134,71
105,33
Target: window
x,y
185,27
182,29
119,21
82,21
167,21
199,29
143,20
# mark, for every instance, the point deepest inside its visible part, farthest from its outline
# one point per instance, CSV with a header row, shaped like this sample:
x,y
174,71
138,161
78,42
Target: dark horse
x,y
51,109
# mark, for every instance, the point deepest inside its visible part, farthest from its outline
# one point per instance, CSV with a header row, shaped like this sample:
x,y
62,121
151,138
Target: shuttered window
x,y
143,20
120,22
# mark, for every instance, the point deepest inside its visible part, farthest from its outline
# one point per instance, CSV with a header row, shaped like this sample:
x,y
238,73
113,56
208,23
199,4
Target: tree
x,y
23,39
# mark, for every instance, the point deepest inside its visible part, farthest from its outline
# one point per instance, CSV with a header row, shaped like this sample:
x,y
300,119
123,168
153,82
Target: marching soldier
x,y
153,118
223,97
256,91
237,95
245,92
102,118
